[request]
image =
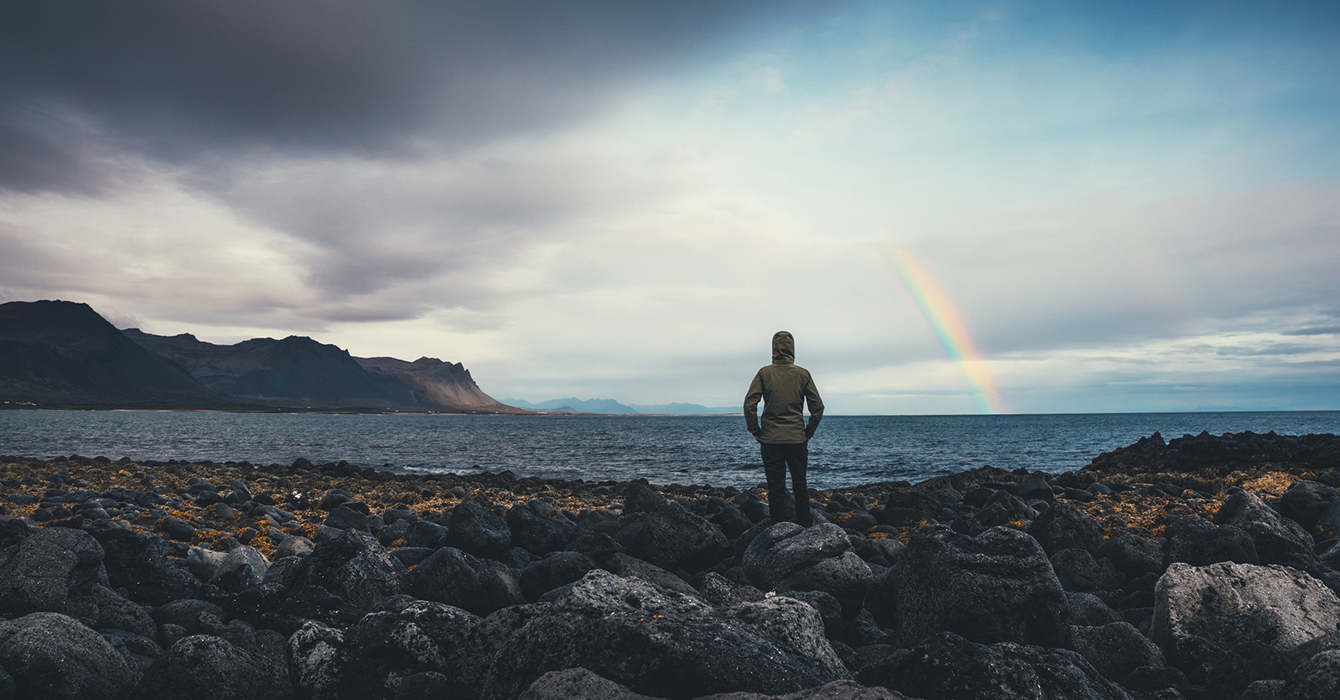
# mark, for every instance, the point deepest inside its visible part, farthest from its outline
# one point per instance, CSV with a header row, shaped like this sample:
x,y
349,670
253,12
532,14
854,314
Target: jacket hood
x,y
783,348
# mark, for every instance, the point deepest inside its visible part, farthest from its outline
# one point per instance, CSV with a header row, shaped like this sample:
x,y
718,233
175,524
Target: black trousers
x,y
777,459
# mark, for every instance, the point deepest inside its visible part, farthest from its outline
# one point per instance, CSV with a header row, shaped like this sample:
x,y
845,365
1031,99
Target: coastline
x,y
280,557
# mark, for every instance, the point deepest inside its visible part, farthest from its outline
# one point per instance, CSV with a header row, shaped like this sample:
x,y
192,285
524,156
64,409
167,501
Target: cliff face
x,y
59,352
435,383
64,353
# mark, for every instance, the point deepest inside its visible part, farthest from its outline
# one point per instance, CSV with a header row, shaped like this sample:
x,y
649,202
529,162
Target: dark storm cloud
x,y
176,79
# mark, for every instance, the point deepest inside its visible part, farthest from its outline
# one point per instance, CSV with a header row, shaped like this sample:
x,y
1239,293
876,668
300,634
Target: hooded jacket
x,y
785,389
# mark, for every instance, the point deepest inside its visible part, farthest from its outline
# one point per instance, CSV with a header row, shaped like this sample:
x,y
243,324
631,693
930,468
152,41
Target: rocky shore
x,y
1202,568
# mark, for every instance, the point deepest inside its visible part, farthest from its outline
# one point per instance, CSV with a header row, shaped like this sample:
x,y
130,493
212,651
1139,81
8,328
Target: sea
x,y
715,450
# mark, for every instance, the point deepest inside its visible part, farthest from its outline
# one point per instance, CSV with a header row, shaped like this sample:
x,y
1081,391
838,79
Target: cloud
x,y
184,81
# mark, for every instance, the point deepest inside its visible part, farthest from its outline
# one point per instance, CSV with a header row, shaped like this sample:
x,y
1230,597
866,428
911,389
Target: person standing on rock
x,y
783,436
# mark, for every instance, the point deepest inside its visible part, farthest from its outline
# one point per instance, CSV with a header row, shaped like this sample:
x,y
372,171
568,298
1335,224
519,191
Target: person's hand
x,y
758,439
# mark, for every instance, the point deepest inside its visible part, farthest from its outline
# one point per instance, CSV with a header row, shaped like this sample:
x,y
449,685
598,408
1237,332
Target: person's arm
x,y
751,404
816,406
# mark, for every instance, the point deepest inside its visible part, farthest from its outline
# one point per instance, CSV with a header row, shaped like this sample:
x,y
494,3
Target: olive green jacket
x,y
785,389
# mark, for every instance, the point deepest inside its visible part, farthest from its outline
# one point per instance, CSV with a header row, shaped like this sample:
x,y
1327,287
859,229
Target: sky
x,y
957,207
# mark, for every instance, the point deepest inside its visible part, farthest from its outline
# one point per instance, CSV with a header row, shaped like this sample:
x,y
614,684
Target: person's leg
x,y
774,469
798,460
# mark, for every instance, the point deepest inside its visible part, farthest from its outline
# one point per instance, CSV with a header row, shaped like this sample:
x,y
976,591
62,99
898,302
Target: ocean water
x,y
847,450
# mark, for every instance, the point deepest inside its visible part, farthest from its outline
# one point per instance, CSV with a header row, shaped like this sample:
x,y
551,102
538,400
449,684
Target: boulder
x,y
624,565
456,578
1200,611
578,684
1317,678
1115,649
949,666
657,641
997,586
1133,556
673,538
386,646
316,661
203,562
1244,664
557,569
1199,542
1277,539
1077,570
137,562
355,567
242,568
296,545
641,498
581,684
194,616
50,655
1063,526
1087,609
787,557
204,666
719,590
51,570
475,529
116,612
1307,502
535,533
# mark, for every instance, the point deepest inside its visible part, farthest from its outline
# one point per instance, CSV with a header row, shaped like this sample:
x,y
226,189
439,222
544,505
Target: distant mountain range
x,y
60,353
575,405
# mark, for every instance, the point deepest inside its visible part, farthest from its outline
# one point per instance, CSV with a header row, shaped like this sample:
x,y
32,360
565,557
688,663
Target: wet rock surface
x,y
1201,567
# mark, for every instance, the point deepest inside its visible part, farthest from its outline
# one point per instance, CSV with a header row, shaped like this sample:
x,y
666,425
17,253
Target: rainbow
x,y
944,321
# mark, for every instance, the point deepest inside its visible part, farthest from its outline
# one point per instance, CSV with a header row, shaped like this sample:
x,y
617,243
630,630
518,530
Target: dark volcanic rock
x,y
537,534
787,557
1087,609
580,684
1077,570
998,586
369,659
242,568
137,561
475,529
949,666
1307,502
1132,555
676,646
204,666
1115,649
1062,526
51,570
673,538
453,577
354,567
50,655
1250,661
1201,611
555,570
1199,542
624,565
1317,679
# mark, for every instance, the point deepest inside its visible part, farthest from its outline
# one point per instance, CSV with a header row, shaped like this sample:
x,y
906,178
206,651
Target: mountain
x,y
434,382
294,371
64,353
574,405
683,409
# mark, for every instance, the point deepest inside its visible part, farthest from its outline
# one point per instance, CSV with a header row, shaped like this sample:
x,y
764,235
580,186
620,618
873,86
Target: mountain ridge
x,y
62,353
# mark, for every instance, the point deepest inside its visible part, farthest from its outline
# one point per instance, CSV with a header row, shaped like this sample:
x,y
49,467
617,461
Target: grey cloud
x,y
180,80
1314,330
